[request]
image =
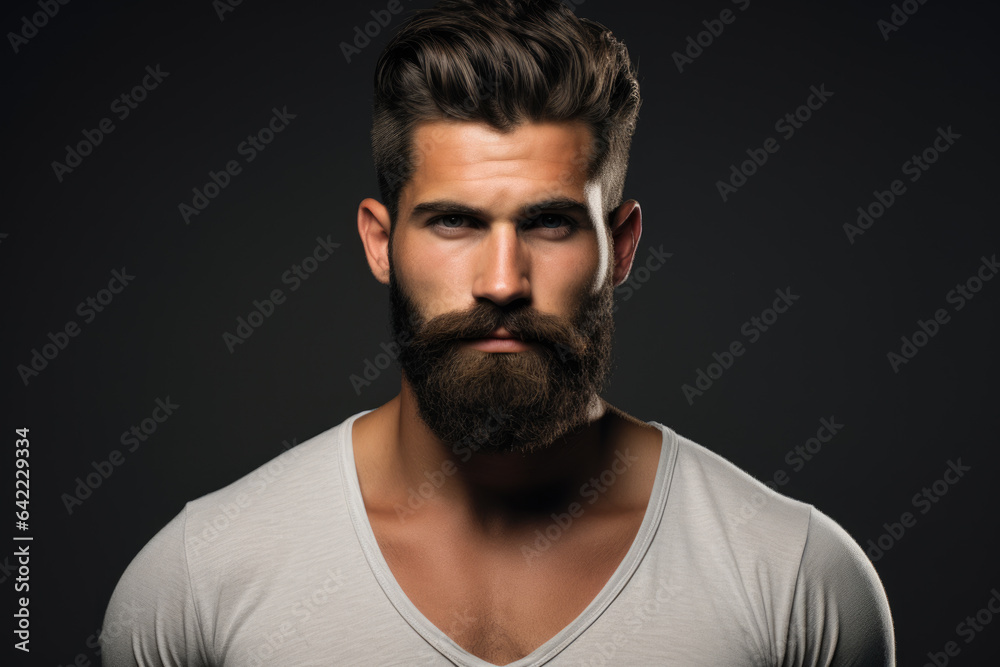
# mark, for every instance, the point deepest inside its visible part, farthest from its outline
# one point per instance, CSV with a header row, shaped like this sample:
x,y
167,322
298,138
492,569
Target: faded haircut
x,y
503,62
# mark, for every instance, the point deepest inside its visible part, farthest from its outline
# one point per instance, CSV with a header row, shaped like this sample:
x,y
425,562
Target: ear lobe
x,y
374,226
626,229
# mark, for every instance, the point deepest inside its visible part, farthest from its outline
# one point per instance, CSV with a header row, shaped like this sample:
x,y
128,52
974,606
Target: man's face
x,y
500,283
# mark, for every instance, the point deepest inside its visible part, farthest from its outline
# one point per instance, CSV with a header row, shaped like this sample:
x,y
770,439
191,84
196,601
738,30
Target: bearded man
x,y
551,527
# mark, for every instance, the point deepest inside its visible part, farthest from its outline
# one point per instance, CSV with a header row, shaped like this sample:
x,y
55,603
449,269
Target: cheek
x,y
565,279
429,276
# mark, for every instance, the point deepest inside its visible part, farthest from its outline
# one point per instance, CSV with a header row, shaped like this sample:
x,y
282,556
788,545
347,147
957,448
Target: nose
x,y
502,266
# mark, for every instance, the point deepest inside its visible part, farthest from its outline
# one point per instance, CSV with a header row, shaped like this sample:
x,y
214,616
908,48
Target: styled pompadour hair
x,y
503,62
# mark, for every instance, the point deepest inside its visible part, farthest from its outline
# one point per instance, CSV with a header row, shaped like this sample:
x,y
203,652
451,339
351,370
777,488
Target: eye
x,y
451,221
552,221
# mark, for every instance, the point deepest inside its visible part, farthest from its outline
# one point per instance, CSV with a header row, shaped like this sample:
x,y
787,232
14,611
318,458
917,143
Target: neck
x,y
404,461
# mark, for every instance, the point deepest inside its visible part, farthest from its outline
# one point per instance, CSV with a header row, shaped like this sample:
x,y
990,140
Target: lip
x,y
499,340
501,332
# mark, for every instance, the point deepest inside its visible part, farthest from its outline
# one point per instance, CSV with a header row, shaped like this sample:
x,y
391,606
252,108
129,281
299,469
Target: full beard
x,y
504,402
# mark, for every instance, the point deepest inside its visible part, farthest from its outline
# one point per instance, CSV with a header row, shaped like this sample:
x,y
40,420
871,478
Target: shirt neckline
x,y
441,641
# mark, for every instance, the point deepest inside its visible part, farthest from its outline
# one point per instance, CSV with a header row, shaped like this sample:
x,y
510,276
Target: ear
x,y
373,226
626,228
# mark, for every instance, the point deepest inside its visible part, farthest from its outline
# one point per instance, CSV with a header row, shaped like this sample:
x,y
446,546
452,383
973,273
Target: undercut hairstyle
x,y
503,62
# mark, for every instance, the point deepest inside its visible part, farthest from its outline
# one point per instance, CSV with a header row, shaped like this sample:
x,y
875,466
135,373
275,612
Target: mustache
x,y
524,323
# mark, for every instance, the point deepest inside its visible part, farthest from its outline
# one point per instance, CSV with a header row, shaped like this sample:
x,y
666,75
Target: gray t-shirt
x,y
282,568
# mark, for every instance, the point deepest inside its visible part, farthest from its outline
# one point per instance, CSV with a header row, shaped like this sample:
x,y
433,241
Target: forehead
x,y
471,159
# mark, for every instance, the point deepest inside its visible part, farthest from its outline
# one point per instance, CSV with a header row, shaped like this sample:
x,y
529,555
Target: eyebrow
x,y
447,206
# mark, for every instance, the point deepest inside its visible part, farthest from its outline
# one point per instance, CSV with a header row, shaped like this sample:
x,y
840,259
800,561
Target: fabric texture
x,y
282,568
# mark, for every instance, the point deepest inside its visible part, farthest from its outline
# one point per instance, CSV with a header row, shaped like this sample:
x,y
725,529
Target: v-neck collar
x,y
547,651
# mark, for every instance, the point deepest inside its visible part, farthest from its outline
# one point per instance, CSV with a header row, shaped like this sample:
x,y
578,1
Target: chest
x,y
501,600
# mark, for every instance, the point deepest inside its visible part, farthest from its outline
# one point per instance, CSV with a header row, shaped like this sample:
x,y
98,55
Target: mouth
x,y
500,340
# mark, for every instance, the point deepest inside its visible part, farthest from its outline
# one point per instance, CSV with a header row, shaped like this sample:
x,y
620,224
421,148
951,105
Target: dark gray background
x,y
162,336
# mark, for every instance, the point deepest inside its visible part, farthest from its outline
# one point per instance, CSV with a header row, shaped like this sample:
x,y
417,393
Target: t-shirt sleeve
x,y
840,614
152,619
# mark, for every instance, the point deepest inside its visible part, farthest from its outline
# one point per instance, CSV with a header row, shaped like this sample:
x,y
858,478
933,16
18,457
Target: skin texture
x,y
460,556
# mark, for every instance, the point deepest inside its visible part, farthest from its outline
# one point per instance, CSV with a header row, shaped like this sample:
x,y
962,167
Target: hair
x,y
503,62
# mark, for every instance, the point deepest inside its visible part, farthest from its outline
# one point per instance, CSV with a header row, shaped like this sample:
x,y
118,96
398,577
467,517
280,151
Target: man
x,y
498,511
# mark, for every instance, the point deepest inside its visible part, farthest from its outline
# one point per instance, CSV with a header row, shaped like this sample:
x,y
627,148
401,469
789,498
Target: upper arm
x,y
152,618
840,614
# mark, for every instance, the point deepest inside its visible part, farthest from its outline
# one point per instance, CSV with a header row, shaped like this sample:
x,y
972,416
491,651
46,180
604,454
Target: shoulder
x,y
742,505
235,543
152,607
287,497
790,561
736,536
269,487
840,613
